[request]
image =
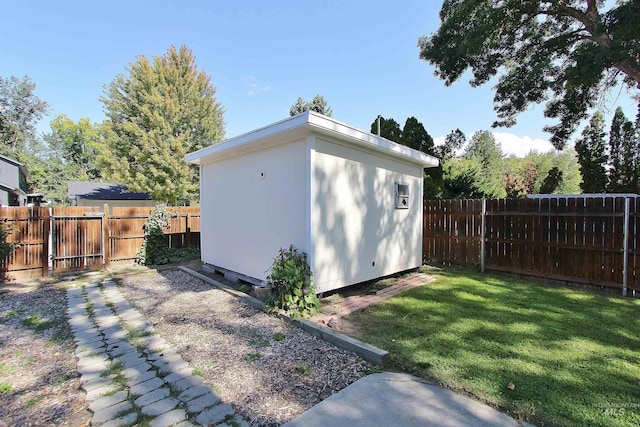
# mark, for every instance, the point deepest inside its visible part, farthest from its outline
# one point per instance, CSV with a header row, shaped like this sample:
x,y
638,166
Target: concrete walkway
x,y
130,374
395,399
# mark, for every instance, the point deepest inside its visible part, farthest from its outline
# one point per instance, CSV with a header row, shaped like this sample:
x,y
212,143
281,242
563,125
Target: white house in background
x,y
350,199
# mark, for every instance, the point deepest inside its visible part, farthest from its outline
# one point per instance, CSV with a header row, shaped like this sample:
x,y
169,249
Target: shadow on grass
x,y
543,354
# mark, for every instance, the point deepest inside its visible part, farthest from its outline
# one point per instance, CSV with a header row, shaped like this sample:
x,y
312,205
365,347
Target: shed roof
x,y
102,191
301,125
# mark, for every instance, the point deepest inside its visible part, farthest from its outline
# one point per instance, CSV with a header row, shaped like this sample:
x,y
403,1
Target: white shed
x,y
350,199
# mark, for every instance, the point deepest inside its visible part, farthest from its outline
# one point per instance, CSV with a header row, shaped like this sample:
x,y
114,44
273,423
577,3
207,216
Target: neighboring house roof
x,y
102,191
22,168
302,125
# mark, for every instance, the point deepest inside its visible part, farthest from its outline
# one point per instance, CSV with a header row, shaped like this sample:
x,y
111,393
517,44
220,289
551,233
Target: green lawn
x,y
546,355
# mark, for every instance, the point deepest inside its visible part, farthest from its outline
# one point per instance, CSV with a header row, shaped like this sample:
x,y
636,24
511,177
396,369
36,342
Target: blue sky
x,y
261,55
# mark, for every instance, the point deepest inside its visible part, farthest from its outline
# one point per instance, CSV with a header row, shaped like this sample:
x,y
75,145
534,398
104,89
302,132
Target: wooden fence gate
x,y
64,238
77,239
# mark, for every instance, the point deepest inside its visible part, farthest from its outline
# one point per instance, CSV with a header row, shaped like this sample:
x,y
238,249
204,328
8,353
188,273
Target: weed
x,y
111,306
5,387
279,336
31,402
198,372
245,288
89,309
6,369
114,368
258,342
252,357
37,323
9,314
303,369
373,370
28,361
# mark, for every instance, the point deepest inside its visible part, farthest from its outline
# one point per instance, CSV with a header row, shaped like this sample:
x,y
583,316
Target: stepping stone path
x,y
129,373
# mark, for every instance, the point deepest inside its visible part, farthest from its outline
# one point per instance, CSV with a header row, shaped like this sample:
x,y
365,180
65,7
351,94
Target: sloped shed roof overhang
x,y
300,126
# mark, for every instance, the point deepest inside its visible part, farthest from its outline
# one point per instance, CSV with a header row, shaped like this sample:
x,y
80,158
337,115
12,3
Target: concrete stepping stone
x,y
194,392
201,403
124,421
111,412
145,376
146,387
170,418
97,393
154,396
187,383
160,407
137,371
105,402
215,415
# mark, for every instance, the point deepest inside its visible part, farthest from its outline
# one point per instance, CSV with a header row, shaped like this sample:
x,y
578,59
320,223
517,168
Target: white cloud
x,y
253,87
520,146
512,144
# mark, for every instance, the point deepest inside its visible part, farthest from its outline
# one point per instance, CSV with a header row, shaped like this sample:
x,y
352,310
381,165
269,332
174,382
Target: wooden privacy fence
x,y
62,239
578,239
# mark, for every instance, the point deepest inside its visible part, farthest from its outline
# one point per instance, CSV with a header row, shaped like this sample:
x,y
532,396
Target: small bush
x,y
154,250
290,281
6,248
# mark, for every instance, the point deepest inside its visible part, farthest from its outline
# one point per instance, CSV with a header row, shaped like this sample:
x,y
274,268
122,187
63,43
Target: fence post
x,y
625,247
187,231
482,234
46,229
106,241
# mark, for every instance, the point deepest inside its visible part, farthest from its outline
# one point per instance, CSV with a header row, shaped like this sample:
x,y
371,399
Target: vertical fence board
x,y
572,238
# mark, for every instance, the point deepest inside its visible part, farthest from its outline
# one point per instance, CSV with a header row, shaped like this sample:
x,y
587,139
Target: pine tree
x,y
592,156
616,158
158,112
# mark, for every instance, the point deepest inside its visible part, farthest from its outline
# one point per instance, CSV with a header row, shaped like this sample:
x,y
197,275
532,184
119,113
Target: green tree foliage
x,y
453,142
552,181
318,104
624,155
415,136
520,183
389,129
564,53
484,149
159,111
77,145
592,156
20,110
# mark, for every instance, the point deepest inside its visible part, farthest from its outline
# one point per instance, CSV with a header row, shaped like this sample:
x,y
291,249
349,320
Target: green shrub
x,y
154,249
6,248
290,281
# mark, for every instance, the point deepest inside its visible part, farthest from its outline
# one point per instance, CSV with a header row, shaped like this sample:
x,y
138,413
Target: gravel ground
x,y
269,370
39,384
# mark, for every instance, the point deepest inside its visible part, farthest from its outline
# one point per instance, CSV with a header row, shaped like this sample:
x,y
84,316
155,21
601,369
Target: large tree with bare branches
x,y
565,53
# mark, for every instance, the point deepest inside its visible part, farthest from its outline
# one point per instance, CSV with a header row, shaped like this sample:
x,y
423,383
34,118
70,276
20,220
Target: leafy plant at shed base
x,y
154,249
6,248
290,281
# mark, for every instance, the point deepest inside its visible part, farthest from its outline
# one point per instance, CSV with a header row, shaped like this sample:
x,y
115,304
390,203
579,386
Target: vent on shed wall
x,y
402,195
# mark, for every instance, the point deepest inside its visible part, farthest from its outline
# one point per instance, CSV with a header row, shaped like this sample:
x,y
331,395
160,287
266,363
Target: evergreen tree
x,y
415,136
592,156
552,181
389,129
616,157
159,111
318,104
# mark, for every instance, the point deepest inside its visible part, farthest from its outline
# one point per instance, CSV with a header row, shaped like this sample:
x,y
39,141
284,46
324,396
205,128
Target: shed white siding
x,y
319,184
252,205
359,234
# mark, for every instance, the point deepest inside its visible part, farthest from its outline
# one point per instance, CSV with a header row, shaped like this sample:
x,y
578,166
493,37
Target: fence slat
x,y
572,238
